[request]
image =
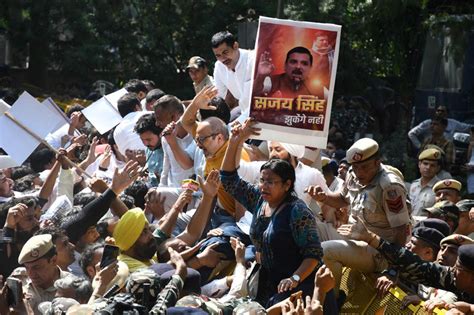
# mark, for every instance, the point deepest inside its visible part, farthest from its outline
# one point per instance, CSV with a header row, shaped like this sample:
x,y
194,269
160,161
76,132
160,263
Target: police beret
x,y
429,235
362,150
456,239
466,256
447,184
465,205
36,247
436,224
430,154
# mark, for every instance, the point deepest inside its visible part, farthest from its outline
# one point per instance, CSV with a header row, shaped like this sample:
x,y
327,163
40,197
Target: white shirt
x,y
125,137
305,176
173,173
238,82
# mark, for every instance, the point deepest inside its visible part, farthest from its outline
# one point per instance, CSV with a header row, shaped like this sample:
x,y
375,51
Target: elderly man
x,y
290,84
212,137
40,260
377,197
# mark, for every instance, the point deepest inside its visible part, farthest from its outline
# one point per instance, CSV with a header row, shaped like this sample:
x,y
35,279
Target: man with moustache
x,y
290,84
232,71
150,135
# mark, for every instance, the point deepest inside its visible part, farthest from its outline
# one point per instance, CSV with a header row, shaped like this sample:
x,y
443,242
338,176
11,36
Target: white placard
x,y
15,141
6,161
4,106
55,110
33,115
102,115
115,96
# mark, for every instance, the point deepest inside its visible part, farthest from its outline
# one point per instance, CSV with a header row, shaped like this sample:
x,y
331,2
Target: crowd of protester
x,y
177,210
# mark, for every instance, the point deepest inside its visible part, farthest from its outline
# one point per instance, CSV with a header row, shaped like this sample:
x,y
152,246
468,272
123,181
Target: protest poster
x,y
4,106
102,115
54,108
293,80
24,123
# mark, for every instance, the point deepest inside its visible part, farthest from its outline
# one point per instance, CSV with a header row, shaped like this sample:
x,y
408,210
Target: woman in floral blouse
x,y
283,228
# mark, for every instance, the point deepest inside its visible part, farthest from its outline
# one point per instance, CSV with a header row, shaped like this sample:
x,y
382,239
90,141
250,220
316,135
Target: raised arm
x,y
168,222
200,101
196,226
170,134
93,211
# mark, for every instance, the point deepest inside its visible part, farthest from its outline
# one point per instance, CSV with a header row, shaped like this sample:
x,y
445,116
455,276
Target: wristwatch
x,y
296,278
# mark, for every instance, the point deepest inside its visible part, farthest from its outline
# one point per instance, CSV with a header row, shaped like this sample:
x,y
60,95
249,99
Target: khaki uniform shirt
x,y
35,295
422,197
207,81
381,204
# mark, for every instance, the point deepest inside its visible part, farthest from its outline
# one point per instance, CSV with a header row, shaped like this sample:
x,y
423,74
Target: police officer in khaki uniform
x,y
448,189
377,196
39,257
421,189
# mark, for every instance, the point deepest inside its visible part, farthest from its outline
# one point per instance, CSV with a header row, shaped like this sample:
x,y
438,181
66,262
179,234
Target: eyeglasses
x,y
269,183
203,138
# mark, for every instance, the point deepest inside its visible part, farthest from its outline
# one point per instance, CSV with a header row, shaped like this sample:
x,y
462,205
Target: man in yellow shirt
x,y
212,137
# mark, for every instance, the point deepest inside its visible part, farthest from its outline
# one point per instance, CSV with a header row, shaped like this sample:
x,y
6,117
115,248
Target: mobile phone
x,y
109,255
14,291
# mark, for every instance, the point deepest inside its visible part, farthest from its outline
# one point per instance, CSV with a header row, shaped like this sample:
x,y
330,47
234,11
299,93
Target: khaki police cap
x,y
430,154
447,184
362,150
456,239
35,248
196,62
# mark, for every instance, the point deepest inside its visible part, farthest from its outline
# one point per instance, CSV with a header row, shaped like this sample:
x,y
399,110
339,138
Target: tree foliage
x,y
154,39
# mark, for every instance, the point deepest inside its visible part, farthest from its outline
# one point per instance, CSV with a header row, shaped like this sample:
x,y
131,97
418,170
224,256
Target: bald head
x,y
217,126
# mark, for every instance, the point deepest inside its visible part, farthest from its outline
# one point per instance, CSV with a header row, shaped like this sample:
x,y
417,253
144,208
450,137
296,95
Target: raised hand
x,y
265,65
203,98
15,214
357,231
242,132
324,279
239,250
211,185
123,178
316,192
